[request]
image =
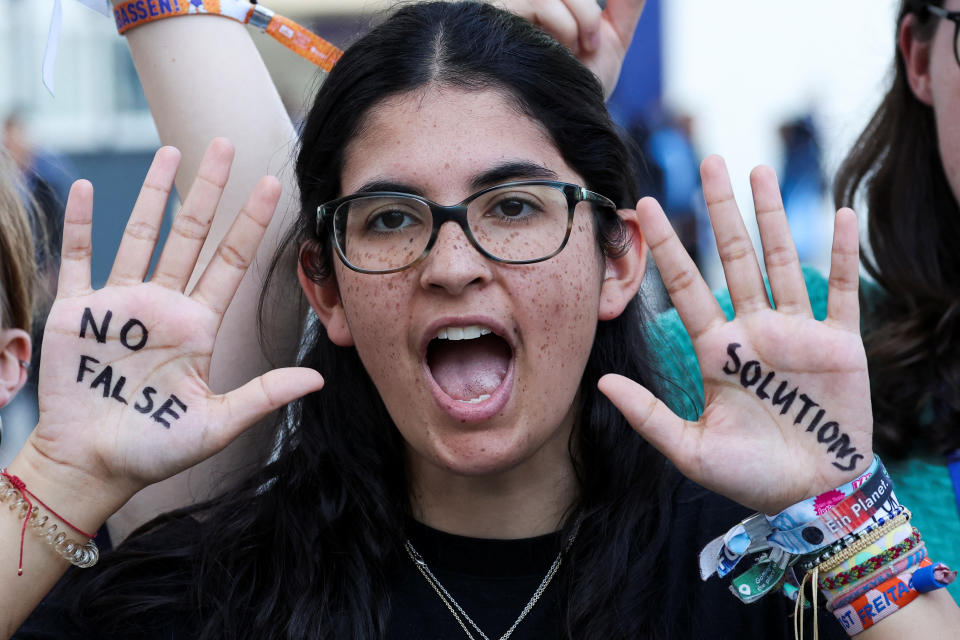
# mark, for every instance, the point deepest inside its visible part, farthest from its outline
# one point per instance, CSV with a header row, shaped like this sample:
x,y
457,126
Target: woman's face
x,y
486,404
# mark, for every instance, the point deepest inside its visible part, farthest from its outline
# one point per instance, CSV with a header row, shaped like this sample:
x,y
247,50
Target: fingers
x,y
623,15
691,296
573,23
587,15
843,304
76,248
143,227
237,249
190,227
673,437
744,280
779,253
244,406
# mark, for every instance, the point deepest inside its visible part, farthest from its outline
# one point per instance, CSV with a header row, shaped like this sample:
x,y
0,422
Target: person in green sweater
x,y
906,167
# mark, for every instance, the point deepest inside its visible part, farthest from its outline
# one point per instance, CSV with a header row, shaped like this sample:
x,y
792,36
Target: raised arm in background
x,y
203,77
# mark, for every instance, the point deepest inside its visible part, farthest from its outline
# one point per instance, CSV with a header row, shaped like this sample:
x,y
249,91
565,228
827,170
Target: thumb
x,y
263,394
651,418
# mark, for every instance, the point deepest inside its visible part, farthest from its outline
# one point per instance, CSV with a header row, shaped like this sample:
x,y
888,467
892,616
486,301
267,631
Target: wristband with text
x,y
133,13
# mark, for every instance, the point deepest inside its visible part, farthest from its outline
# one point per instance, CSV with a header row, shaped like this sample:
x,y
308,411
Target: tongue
x,y
467,369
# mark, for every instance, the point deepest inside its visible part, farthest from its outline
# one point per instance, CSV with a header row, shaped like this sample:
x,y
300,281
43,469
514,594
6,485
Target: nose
x,y
454,263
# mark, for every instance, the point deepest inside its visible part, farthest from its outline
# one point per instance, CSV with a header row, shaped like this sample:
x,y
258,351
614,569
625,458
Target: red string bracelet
x,y
80,556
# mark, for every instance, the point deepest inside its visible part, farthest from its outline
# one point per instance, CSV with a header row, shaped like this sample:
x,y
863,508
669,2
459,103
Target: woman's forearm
x,y
203,77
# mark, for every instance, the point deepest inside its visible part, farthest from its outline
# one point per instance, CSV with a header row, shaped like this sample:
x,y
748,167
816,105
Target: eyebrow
x,y
504,172
516,170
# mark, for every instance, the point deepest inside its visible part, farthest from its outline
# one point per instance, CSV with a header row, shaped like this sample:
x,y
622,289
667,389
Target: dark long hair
x,y
912,335
307,547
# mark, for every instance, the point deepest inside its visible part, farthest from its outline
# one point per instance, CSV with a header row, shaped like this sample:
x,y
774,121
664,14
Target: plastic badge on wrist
x,y
800,529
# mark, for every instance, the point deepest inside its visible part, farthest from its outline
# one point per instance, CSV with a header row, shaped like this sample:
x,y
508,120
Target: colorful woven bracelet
x,y
872,565
905,564
887,541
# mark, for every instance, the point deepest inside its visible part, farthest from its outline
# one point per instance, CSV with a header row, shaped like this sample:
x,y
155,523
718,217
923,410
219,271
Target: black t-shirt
x,y
492,580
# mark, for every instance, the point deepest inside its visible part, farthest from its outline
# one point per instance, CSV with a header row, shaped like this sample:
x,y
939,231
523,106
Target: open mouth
x,y
468,363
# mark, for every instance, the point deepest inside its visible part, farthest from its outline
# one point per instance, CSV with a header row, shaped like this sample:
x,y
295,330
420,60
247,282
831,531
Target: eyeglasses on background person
x,y
511,223
953,16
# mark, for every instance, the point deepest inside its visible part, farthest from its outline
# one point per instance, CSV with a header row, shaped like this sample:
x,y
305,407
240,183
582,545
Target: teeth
x,y
476,400
462,333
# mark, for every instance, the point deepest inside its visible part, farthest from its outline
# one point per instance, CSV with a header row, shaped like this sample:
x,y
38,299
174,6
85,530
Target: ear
x,y
14,355
916,58
623,275
325,300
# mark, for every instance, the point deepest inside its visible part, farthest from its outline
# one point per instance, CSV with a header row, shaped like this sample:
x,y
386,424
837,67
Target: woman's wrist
x,y
79,497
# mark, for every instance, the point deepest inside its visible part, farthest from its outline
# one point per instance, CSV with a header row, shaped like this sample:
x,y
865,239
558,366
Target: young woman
x,y
906,165
460,473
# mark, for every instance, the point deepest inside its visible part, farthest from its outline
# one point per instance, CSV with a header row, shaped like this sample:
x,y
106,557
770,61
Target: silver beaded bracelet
x,y
83,555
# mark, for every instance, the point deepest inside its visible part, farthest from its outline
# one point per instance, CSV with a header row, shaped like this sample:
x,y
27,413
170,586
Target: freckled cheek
x,y
564,310
378,315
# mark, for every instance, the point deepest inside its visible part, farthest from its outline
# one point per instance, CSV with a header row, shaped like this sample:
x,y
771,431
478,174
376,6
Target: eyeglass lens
x,y
515,223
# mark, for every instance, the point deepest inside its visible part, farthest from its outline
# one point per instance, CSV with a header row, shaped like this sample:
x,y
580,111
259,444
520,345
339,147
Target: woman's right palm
x,y
123,382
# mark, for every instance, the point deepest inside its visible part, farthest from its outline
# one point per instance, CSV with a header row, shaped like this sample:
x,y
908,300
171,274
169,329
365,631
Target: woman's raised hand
x,y
598,36
124,399
787,398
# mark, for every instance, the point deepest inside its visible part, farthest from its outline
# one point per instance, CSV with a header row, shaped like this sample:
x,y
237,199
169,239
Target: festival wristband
x,y
812,508
874,498
774,569
877,603
904,565
133,13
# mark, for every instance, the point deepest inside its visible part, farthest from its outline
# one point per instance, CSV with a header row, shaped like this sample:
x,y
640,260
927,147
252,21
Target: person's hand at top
x,y
598,36
124,399
787,398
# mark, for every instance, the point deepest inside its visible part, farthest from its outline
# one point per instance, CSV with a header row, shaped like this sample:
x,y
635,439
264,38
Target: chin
x,y
481,454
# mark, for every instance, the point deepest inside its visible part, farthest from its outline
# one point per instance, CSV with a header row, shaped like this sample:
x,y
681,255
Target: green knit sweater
x,y
921,483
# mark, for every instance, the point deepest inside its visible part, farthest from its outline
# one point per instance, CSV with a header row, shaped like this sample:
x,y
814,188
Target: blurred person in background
x,y
803,186
671,147
46,178
906,168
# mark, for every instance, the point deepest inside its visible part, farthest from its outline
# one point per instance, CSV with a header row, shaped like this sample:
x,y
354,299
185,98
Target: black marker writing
x,y
167,408
133,336
138,341
100,333
829,433
147,407
83,366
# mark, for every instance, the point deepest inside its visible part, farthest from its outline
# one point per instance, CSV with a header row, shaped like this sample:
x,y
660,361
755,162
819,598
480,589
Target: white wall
x,y
741,67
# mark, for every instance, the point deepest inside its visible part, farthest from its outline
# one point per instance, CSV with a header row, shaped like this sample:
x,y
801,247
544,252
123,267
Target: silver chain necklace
x,y
457,611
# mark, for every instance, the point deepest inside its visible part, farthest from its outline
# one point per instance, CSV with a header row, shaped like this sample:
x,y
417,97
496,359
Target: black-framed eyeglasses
x,y
512,223
953,16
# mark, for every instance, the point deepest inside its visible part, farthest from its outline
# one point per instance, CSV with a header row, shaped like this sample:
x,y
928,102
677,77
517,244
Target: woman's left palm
x,y
787,398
